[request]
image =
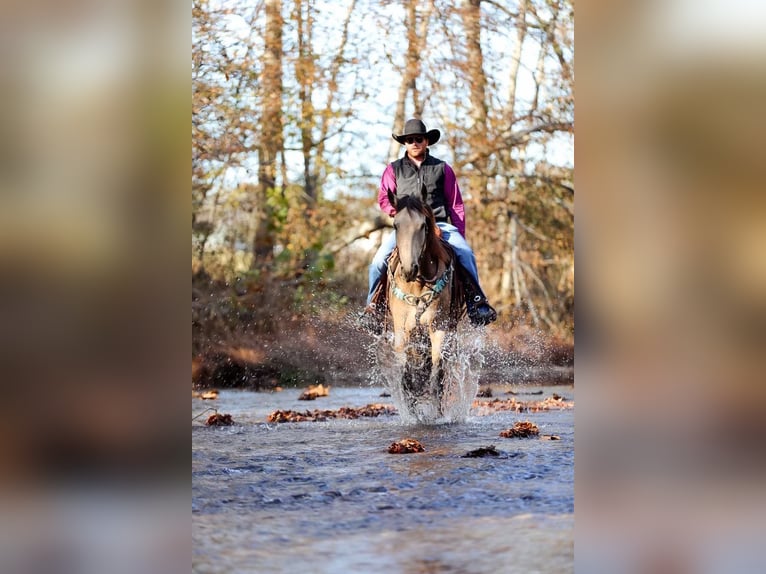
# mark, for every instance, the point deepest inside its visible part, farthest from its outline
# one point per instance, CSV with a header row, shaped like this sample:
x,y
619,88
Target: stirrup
x,y
480,312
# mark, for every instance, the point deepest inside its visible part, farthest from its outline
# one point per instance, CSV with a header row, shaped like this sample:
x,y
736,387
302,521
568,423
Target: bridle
x,y
426,298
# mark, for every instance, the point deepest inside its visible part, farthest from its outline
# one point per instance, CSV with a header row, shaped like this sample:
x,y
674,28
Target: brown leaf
x,y
522,429
218,420
313,392
406,446
289,416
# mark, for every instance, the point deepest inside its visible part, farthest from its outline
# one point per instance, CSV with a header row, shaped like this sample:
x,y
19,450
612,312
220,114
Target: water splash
x,y
462,359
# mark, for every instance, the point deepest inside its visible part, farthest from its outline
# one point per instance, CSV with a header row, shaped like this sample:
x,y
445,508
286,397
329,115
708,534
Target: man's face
x,y
416,145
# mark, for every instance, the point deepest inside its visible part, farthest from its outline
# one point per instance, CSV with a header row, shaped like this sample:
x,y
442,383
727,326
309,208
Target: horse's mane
x,y
433,234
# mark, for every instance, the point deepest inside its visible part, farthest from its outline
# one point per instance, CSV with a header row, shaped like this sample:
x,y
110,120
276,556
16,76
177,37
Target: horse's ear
x,y
391,198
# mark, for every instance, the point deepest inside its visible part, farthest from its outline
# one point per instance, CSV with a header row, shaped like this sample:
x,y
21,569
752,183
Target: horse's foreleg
x,y
437,341
437,365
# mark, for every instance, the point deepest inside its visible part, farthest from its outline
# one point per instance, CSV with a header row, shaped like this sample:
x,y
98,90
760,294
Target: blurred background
x,y
93,328
670,241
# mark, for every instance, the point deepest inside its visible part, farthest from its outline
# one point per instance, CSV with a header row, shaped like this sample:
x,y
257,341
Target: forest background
x,y
293,106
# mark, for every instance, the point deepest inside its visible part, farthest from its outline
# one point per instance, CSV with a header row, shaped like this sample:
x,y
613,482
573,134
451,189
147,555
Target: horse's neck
x,y
435,259
429,267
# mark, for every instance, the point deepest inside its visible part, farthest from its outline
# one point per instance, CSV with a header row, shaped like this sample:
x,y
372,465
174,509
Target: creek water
x,y
327,497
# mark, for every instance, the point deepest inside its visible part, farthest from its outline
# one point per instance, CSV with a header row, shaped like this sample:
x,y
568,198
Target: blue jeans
x,y
449,232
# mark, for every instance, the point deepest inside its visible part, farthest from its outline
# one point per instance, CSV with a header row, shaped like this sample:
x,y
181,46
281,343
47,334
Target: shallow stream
x,y
326,497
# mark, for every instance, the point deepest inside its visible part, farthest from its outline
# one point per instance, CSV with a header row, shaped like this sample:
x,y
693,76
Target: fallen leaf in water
x,y
482,451
522,429
313,392
289,416
218,420
405,446
513,404
496,405
554,402
206,395
550,437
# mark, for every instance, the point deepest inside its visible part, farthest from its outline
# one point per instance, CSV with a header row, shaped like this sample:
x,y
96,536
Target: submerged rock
x,y
484,392
482,452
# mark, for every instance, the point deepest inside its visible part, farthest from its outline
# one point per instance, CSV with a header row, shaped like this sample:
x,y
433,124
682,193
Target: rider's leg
x,y
379,264
479,310
371,318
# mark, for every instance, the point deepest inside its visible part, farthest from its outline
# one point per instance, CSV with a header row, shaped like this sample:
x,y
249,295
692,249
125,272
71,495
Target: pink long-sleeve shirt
x,y
453,200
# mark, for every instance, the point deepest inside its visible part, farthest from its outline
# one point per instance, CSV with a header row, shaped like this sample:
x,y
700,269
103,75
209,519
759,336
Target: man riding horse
x,y
416,173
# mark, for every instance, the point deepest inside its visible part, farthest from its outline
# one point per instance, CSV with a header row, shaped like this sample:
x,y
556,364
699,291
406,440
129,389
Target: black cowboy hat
x,y
416,127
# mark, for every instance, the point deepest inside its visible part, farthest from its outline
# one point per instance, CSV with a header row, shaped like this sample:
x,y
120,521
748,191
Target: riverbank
x,y
306,351
268,334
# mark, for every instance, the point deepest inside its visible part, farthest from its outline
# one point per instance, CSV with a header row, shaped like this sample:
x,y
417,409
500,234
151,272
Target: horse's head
x,y
413,223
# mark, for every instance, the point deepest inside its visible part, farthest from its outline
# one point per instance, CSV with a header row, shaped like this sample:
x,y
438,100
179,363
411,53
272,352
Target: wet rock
x,y
482,452
206,395
332,494
377,489
484,392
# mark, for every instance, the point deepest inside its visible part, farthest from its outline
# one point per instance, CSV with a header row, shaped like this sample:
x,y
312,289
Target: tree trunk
x,y
471,14
513,72
306,75
332,90
416,35
271,139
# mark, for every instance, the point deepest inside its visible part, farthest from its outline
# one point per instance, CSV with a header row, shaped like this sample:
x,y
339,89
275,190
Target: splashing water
x,y
462,358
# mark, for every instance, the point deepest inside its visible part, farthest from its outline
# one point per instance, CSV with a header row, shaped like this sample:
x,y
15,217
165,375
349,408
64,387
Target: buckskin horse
x,y
425,298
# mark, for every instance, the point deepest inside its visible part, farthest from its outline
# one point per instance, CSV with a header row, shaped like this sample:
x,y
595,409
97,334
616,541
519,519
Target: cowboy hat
x,y
416,127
